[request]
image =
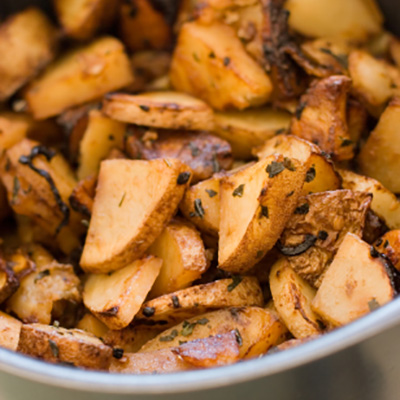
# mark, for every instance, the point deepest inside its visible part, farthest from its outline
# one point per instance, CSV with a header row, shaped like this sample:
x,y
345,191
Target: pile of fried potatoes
x,y
186,185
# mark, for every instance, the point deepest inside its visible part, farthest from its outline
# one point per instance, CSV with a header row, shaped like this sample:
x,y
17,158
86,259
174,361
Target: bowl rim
x,y
378,321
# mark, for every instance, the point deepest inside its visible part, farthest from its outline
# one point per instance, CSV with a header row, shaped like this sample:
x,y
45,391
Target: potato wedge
x,y
134,202
10,329
292,297
257,330
89,323
81,199
173,308
80,76
379,156
321,117
321,175
389,245
59,345
384,202
249,128
33,40
356,283
184,257
82,19
252,216
168,110
318,227
218,71
201,151
109,296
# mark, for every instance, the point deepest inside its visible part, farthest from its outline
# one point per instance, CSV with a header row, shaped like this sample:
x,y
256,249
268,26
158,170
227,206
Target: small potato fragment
x,y
134,201
218,71
168,110
33,40
389,245
10,329
249,128
173,308
80,76
257,330
355,284
59,345
81,199
379,158
292,297
109,296
384,203
321,175
89,323
184,258
252,216
321,117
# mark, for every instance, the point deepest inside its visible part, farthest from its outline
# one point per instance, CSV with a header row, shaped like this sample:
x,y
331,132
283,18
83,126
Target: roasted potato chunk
x,y
321,117
109,296
184,258
252,217
356,283
201,151
173,308
33,40
218,71
10,329
318,227
80,76
134,202
59,345
292,297
89,323
389,245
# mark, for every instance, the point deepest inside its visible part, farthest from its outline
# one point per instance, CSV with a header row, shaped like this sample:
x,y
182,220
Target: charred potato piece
x,y
134,202
218,71
80,76
321,117
82,19
33,40
81,199
59,345
10,329
201,151
293,297
389,245
379,156
318,227
356,283
89,323
109,296
173,308
184,257
252,216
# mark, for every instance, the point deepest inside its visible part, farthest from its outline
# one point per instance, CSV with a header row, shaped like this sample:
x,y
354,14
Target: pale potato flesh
x,y
10,329
89,323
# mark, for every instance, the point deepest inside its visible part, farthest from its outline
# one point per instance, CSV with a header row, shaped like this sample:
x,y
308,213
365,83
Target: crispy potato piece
x,y
355,284
10,329
89,323
81,75
33,40
218,71
321,117
39,291
257,330
201,151
252,217
384,202
249,128
82,19
59,345
318,227
379,156
142,26
173,308
321,175
183,254
101,134
389,244
9,282
81,199
134,202
292,297
109,296
355,20
168,110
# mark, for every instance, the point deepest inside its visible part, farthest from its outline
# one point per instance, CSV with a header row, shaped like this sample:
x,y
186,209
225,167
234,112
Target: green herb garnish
x,y
54,348
170,337
373,305
42,275
264,212
275,168
211,192
310,175
236,279
238,192
303,209
122,199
